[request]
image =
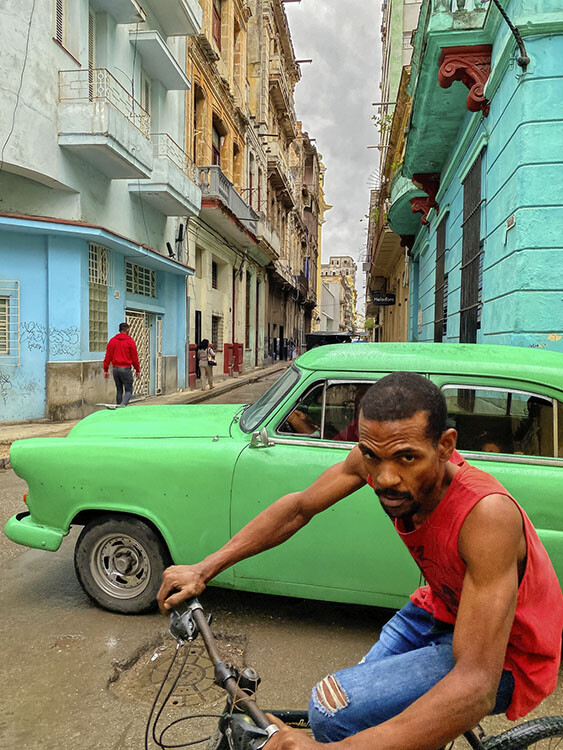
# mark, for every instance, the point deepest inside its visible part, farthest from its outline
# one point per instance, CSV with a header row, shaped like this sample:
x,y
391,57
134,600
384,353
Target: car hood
x,y
189,421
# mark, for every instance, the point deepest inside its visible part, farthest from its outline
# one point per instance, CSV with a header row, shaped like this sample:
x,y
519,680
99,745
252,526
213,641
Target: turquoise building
x,y
478,200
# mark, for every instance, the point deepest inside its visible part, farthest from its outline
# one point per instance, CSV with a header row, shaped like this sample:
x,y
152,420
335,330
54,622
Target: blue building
x,y
95,197
479,196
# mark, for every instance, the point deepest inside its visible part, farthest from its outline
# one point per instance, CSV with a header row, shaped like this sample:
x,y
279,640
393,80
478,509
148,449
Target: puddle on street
x,y
142,680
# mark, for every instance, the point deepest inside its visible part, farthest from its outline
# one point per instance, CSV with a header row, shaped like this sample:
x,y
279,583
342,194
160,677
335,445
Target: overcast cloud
x,y
333,100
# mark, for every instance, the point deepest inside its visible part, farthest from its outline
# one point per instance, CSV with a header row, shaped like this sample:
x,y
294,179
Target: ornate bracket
x,y
430,183
471,66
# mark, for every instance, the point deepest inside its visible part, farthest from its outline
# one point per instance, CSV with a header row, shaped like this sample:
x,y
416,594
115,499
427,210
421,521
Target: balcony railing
x,y
95,84
214,183
277,157
166,147
281,90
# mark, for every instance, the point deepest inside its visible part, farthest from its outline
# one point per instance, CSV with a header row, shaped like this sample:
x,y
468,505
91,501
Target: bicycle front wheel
x,y
543,734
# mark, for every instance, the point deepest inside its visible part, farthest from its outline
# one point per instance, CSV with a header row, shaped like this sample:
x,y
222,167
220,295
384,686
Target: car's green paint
x,y
22,529
191,471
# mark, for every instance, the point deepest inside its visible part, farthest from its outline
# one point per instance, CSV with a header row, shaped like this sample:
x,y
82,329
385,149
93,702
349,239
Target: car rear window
x,y
257,412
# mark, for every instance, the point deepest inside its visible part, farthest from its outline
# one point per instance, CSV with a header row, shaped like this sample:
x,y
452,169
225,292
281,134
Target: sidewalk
x,y
32,428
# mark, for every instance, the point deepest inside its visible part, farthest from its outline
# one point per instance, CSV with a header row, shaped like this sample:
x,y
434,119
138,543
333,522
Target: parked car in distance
x,y
155,484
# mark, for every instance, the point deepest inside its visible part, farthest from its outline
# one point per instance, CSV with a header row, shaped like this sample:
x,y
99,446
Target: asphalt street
x,y
75,676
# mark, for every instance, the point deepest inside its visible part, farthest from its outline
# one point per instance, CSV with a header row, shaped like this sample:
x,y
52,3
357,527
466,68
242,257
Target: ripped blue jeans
x,y
413,653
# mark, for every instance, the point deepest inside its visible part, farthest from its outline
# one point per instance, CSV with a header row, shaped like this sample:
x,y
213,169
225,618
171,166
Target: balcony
x,y
100,122
268,237
438,112
158,61
122,11
178,17
279,174
282,97
224,209
171,188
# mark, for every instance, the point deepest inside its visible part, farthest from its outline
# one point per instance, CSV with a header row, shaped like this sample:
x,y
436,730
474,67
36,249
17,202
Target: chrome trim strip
x,y
513,459
313,442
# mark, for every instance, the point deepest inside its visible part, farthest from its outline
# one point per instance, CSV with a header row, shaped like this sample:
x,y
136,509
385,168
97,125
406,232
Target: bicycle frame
x,y
243,724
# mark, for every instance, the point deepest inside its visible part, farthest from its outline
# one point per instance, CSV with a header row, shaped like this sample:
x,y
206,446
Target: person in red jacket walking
x,y
121,352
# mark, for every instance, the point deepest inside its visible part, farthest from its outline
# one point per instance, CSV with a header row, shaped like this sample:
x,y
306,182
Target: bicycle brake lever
x,y
241,732
182,625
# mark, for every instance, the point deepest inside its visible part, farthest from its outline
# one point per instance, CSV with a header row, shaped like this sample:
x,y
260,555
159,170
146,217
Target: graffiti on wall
x,y
14,388
61,341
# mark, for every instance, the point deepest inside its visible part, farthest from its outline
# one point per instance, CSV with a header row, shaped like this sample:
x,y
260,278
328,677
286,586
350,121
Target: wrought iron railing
x,y
214,183
165,147
92,84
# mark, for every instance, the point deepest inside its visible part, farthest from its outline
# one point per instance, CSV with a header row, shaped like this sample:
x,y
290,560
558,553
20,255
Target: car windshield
x,y
256,412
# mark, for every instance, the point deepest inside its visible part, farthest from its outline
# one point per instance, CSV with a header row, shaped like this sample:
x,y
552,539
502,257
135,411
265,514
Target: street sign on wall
x,y
383,298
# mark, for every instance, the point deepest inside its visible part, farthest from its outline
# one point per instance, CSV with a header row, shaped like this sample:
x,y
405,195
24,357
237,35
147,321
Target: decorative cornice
x,y
470,65
430,183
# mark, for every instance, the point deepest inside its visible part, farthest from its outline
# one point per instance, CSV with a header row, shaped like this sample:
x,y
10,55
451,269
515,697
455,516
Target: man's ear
x,y
446,444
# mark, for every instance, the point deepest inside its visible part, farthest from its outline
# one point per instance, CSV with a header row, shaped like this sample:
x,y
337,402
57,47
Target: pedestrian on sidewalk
x,y
206,361
121,352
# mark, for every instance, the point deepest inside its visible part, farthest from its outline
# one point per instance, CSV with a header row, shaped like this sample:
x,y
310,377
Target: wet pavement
x,y
75,676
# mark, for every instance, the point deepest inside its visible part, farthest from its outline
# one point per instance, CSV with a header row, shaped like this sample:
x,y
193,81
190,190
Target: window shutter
x,y
471,265
91,40
60,20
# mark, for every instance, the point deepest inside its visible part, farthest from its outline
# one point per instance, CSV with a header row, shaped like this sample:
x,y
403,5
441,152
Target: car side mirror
x,y
260,439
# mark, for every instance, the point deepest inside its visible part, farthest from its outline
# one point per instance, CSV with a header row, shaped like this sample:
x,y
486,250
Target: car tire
x,y
119,561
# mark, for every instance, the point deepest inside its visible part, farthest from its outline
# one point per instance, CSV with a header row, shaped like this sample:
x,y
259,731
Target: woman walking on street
x,y
206,356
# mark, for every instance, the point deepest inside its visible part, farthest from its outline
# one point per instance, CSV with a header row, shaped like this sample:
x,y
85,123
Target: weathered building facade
x,y
93,187
480,174
387,279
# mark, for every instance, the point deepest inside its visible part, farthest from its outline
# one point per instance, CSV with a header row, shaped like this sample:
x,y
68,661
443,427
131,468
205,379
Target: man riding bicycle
x,y
484,636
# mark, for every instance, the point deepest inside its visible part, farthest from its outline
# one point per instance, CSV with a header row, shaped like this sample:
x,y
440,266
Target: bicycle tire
x,y
528,734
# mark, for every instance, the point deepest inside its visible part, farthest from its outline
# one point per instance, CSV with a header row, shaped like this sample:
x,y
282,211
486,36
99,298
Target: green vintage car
x,y
155,484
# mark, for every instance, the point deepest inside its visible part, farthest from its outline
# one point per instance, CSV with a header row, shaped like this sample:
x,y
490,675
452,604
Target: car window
x,y
495,420
328,411
255,413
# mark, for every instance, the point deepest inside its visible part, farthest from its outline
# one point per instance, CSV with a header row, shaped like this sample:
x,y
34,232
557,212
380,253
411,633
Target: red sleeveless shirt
x,y
534,648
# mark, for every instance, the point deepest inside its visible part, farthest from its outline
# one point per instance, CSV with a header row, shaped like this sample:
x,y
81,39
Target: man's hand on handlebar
x,y
179,582
290,739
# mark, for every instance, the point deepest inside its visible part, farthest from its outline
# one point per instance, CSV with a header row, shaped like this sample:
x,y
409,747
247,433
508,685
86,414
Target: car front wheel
x,y
119,562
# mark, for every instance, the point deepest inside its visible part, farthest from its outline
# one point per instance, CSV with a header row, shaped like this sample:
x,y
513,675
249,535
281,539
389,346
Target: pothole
x,y
141,679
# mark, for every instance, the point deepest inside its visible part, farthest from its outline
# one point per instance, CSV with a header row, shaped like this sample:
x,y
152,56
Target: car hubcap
x,y
120,566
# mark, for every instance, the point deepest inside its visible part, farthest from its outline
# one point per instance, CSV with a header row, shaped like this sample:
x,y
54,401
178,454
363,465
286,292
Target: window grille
x,y
140,280
216,332
440,291
470,318
9,322
99,265
214,275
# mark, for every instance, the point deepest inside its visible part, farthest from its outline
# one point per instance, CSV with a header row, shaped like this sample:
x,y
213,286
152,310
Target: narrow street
x,y
78,677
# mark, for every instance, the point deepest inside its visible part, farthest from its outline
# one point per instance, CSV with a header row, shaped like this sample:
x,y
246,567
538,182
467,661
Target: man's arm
x,y
108,357
491,543
273,526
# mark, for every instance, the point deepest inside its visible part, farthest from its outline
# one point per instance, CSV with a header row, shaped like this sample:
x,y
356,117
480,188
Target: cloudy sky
x,y
333,100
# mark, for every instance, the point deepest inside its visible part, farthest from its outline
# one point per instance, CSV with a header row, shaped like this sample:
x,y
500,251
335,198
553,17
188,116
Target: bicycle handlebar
x,y
186,621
